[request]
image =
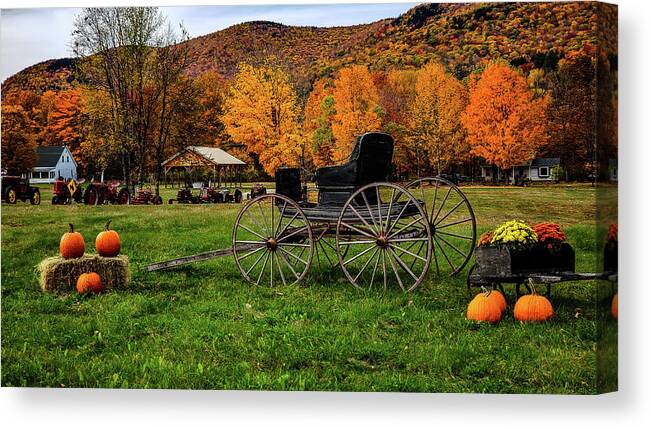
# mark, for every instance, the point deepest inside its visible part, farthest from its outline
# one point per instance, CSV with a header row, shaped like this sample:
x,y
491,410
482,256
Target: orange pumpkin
x,y
613,306
499,299
484,309
72,244
107,242
532,308
89,282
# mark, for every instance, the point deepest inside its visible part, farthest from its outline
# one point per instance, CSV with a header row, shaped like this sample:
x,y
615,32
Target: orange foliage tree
x,y
504,122
18,146
397,90
317,123
260,113
357,110
435,128
65,123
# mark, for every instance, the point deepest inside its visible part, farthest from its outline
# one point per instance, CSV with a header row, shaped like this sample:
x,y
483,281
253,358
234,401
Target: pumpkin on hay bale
x,y
60,275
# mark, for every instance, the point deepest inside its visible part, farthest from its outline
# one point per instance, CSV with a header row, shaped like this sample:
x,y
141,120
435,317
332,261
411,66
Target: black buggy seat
x,y
369,162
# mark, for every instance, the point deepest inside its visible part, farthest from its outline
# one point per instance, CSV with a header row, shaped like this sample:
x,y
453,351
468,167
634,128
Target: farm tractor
x,y
15,188
64,192
104,193
207,195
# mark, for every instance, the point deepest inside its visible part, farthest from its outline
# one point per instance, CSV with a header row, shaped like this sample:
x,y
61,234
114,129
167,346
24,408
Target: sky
x,y
29,36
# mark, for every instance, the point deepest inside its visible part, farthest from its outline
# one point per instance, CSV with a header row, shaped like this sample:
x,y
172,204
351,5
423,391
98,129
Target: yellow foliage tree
x,y
260,113
435,129
356,104
505,122
18,146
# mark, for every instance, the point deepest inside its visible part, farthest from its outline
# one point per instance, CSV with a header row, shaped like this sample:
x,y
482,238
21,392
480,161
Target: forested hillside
x,y
278,95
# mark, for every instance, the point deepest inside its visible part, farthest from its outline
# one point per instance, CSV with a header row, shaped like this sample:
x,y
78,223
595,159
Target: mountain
x,y
461,36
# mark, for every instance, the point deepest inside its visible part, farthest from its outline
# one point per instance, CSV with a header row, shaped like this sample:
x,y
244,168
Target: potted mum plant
x,y
515,248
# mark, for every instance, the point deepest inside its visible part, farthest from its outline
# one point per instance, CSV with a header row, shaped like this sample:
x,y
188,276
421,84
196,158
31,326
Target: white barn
x,y
51,163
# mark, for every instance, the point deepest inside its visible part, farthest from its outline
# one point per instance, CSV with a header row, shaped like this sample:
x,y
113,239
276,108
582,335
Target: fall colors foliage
x,y
505,123
455,85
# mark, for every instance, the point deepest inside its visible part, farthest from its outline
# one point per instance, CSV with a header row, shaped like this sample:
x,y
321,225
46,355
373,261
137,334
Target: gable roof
x,y
216,155
48,156
212,154
545,161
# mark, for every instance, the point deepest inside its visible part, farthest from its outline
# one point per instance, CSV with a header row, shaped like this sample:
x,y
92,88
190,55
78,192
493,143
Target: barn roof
x,y
209,155
216,155
48,156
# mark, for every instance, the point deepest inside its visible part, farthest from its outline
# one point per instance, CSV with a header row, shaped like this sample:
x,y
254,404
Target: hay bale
x,y
59,275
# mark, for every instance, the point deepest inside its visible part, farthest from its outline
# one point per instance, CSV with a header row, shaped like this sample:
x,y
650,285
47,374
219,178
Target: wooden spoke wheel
x,y
272,241
383,238
452,223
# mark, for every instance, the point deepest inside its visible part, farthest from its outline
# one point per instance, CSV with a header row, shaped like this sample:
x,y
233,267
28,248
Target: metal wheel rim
x,y
260,250
385,227
441,241
11,196
36,198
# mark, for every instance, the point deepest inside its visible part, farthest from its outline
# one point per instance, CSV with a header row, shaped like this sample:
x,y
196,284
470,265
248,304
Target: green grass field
x,y
202,327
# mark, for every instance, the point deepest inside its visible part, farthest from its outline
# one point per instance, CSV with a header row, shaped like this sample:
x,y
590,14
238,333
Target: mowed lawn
x,y
203,327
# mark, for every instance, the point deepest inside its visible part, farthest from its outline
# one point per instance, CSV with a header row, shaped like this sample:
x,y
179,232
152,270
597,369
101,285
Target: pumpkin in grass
x,y
532,308
72,244
107,242
499,299
613,306
483,308
89,283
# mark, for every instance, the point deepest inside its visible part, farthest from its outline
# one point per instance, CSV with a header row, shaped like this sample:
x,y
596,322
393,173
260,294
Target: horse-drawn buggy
x,y
381,234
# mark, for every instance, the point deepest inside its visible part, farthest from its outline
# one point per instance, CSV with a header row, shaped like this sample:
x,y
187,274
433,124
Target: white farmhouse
x,y
53,162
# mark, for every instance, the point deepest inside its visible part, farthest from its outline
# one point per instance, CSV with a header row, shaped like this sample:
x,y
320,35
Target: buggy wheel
x,y
92,197
383,239
272,241
35,199
124,197
452,223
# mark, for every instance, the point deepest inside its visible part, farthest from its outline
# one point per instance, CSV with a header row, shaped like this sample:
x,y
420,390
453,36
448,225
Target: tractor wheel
x,y
91,197
158,200
35,199
11,195
55,200
124,197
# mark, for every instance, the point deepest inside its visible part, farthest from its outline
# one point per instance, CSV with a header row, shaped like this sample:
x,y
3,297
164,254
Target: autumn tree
x,y
18,146
116,48
357,110
317,124
65,122
435,128
261,114
572,112
397,90
212,90
505,123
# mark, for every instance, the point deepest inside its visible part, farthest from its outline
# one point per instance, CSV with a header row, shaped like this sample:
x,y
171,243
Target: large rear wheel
x,y
272,241
383,239
452,223
92,196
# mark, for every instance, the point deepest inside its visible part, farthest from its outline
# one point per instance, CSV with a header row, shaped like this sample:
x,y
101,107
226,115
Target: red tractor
x,y
64,192
15,188
104,193
145,197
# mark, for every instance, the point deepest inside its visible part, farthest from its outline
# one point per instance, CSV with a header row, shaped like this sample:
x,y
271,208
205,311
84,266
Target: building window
x,y
543,171
51,174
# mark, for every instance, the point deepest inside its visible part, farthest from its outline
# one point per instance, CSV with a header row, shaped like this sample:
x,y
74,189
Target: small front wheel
x,y
124,197
272,241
